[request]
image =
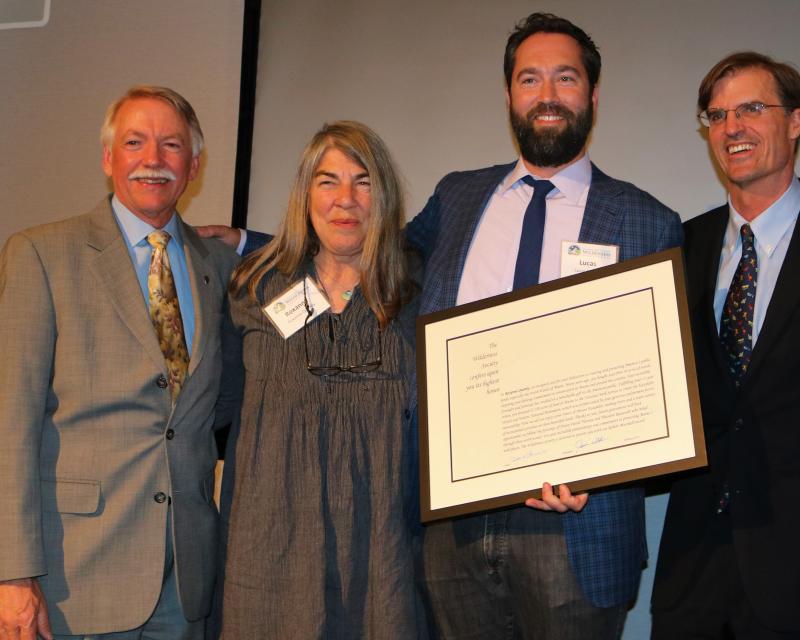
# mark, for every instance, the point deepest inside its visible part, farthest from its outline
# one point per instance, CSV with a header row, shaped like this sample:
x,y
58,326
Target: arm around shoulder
x,y
422,231
229,400
255,240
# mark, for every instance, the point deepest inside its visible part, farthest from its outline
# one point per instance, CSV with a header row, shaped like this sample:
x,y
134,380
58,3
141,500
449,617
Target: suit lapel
x,y
199,279
602,217
785,299
469,208
704,258
114,270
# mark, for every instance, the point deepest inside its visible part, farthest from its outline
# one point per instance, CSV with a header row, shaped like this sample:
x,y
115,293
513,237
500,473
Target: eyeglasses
x,y
334,370
746,110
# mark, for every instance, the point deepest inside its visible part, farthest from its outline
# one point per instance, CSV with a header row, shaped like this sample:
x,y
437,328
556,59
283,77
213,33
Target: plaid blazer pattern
x,y
606,541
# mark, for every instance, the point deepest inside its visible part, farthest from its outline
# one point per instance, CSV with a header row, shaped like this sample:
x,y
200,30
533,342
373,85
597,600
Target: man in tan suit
x,y
114,338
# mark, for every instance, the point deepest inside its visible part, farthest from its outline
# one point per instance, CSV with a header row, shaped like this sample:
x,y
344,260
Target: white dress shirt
x,y
773,230
492,256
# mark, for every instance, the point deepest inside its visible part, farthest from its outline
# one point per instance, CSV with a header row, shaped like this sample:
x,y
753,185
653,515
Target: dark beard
x,y
549,147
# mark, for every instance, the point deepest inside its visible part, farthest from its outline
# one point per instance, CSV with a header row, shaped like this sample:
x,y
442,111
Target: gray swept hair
x,y
171,97
385,281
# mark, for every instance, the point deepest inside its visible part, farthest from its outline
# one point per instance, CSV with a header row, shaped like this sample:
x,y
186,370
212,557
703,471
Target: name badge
x,y
577,257
287,312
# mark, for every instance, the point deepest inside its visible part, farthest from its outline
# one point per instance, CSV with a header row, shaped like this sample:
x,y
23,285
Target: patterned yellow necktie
x,y
165,313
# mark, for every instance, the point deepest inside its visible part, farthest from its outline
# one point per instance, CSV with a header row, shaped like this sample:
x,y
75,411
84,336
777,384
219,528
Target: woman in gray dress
x,y
324,521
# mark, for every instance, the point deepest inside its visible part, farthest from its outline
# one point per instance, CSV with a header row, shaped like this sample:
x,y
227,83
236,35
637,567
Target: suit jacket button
x,y
162,382
738,424
170,434
160,497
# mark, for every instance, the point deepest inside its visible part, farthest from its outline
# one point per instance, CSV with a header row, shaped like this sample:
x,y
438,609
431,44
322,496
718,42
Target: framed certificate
x,y
587,380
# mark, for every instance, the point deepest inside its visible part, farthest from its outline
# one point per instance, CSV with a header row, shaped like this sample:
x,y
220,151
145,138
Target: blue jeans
x,y
506,575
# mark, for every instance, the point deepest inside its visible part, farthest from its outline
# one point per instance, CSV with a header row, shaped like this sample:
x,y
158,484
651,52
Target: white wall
x,y
58,79
427,76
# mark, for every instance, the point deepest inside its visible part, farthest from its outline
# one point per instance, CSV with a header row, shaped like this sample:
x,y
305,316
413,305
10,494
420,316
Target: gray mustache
x,y
152,174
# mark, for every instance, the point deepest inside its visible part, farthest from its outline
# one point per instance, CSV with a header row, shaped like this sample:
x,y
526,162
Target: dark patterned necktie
x,y
736,324
526,273
165,313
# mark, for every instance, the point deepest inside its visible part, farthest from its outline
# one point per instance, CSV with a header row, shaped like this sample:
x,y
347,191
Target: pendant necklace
x,y
345,295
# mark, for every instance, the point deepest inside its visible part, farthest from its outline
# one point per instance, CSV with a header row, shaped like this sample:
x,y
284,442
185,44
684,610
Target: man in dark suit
x,y
523,572
728,566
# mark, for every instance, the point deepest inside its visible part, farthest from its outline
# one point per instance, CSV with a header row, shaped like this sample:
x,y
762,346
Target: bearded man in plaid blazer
x,y
524,572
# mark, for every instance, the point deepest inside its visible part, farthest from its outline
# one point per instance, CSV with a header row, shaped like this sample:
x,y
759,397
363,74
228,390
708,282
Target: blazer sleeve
x,y
255,240
231,389
422,231
672,233
27,343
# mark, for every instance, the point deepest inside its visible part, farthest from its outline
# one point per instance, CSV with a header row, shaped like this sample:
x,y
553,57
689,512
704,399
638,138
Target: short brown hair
x,y
171,97
787,78
549,23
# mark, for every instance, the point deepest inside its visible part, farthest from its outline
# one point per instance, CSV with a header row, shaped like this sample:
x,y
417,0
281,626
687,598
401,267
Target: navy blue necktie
x,y
736,323
526,272
736,327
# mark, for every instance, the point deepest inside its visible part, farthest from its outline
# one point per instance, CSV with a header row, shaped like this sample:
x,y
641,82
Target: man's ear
x,y
106,161
794,124
194,168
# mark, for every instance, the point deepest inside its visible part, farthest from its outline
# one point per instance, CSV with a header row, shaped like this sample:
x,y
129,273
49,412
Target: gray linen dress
x,y
324,523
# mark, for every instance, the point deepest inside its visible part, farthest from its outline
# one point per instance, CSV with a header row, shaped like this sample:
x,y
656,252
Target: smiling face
x,y
756,154
339,205
550,102
150,158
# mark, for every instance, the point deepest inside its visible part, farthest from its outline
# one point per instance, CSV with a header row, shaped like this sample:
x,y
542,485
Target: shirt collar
x,y
572,181
136,230
770,225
